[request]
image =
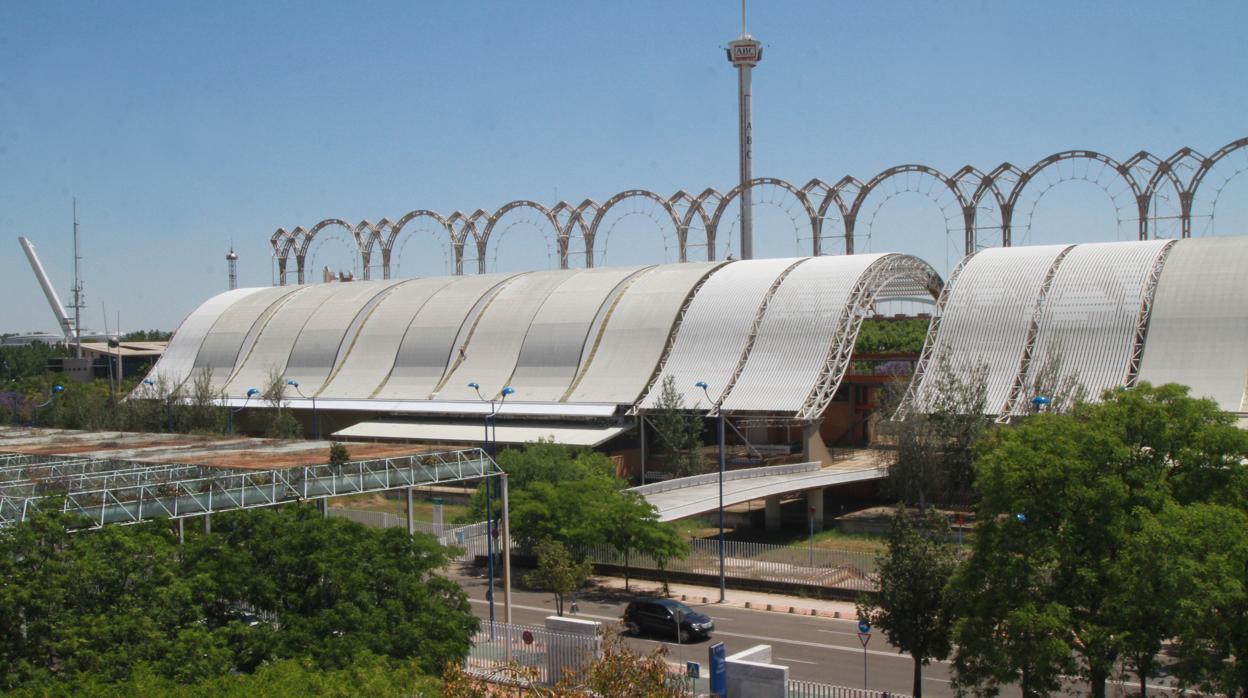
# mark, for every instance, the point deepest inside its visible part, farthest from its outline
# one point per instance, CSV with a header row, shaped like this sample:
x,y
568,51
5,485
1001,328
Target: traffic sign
x,y
864,626
864,638
527,636
693,669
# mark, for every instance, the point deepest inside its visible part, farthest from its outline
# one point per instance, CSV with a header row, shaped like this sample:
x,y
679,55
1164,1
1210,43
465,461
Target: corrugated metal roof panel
x,y
629,346
986,320
716,329
371,353
222,348
429,341
796,334
1087,325
494,345
178,360
556,339
1198,332
323,335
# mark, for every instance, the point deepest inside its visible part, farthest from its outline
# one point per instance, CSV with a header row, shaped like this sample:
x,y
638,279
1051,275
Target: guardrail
x,y
809,689
712,478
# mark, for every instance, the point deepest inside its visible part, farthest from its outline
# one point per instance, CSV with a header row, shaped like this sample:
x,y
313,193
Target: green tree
x,y
632,526
679,431
557,571
338,454
281,424
1064,499
912,605
933,443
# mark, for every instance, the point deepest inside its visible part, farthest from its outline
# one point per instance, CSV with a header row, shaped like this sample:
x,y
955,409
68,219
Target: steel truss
x,y
125,492
1139,187
876,279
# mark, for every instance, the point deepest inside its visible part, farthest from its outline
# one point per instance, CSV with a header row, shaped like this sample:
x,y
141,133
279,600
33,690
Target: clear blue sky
x,y
182,126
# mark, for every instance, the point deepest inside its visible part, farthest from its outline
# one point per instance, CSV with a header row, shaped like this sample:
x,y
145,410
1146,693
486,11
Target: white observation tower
x,y
744,53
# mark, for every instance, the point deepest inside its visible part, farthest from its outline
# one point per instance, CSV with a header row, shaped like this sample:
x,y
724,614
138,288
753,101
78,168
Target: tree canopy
x,y
105,606
1083,519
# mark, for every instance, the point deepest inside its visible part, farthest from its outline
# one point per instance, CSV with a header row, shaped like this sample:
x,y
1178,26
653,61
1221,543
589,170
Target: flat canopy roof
x,y
473,432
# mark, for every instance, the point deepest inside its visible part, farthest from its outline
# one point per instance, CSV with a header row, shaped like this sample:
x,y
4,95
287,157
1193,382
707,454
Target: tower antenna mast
x,y
744,53
77,289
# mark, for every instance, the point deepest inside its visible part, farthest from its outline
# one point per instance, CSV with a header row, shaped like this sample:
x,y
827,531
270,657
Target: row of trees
x,y
128,603
1102,536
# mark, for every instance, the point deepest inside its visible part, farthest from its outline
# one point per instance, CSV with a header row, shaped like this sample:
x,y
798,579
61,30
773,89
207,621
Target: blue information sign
x,y
864,626
693,670
719,669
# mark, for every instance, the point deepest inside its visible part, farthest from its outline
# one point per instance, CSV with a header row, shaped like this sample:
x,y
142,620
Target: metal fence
x,y
524,654
844,569
810,689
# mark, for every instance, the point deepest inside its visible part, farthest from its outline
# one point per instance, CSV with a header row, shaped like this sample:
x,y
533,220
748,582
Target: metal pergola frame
x,y
125,492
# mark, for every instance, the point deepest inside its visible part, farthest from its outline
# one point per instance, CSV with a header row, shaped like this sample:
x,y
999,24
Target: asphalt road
x,y
815,649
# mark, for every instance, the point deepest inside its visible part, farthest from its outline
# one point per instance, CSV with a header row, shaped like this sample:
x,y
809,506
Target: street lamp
x,y
720,414
315,417
489,509
229,411
1039,402
56,390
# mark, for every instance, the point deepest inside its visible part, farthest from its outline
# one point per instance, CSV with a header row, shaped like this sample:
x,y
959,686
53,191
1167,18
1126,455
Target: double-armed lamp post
x,y
719,413
490,444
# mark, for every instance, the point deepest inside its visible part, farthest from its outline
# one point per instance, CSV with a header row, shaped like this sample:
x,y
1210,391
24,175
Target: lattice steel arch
x,y
1143,175
862,297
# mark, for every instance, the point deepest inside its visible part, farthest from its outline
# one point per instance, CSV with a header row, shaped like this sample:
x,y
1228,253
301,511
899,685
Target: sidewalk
x,y
700,595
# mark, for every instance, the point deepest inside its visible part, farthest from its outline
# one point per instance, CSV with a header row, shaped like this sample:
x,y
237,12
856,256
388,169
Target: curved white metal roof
x,y
555,340
716,329
1090,317
985,320
372,351
627,348
494,344
430,339
270,352
1198,331
178,360
796,334
232,331
323,336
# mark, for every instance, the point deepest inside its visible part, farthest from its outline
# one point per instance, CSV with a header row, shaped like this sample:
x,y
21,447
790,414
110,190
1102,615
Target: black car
x,y
663,616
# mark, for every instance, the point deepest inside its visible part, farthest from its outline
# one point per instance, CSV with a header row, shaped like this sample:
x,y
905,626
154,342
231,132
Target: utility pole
x,y
744,53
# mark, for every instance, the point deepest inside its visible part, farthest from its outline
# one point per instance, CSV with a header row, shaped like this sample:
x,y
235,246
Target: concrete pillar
x,y
813,447
411,515
771,513
322,505
181,530
751,673
207,523
814,500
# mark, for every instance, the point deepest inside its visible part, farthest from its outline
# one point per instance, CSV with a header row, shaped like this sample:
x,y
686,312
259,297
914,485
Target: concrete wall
x,y
751,673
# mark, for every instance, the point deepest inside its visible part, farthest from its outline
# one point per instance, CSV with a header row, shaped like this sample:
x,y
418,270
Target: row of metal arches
x,y
1144,189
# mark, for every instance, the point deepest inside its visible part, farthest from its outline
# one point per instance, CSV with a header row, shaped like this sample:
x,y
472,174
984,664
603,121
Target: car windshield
x,y
679,608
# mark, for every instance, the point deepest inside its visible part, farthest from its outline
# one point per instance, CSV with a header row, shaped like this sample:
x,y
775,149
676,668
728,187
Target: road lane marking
x,y
787,660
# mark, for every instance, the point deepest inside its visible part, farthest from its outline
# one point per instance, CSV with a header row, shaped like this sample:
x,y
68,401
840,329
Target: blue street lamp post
x,y
56,390
489,509
151,385
229,411
720,415
1039,402
316,418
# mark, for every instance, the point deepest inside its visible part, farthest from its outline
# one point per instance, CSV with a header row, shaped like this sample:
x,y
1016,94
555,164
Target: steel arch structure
x,y
1148,193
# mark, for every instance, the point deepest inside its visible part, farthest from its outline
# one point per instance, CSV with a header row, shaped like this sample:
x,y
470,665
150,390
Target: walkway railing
x,y
712,478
